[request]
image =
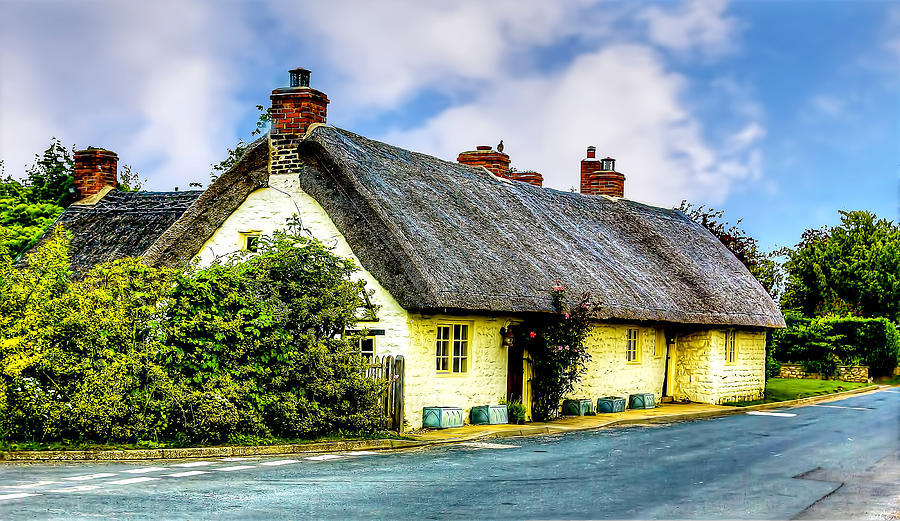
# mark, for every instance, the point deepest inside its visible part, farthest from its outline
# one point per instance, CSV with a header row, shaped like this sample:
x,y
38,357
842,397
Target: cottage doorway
x,y
518,378
669,371
515,373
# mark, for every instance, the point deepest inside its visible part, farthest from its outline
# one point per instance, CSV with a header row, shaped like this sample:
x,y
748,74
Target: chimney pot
x,y
483,147
299,77
591,152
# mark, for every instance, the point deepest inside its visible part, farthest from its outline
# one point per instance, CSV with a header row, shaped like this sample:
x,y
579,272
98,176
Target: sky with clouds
x,y
779,112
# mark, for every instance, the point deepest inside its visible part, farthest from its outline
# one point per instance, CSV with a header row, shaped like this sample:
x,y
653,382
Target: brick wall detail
x,y
294,109
94,169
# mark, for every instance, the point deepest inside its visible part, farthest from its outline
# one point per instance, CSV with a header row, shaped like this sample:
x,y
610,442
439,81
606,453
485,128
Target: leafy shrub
x,y
823,343
555,344
516,410
247,348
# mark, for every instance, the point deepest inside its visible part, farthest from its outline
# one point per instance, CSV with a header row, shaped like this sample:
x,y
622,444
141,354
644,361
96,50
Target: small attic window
x,y
250,241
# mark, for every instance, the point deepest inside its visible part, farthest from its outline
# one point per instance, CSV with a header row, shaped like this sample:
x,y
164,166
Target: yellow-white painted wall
x,y
483,384
608,373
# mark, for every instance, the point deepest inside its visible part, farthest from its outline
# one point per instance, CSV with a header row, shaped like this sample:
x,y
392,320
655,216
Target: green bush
x,y
247,348
823,343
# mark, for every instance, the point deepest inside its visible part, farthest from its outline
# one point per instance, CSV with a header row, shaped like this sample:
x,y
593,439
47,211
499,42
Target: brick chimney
x,y
496,162
528,176
94,169
599,176
294,109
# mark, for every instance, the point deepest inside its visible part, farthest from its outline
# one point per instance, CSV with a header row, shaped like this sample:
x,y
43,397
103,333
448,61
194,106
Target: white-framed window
x,y
451,353
730,347
632,351
250,241
367,347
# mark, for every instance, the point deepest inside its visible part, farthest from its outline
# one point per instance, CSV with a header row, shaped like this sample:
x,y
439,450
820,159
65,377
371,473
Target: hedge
x,y
823,343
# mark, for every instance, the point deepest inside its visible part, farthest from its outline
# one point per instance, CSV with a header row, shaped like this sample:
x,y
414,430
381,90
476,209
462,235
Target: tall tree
x,y
744,247
851,269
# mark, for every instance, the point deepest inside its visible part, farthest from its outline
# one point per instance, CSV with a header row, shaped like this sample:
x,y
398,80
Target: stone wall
x,y
845,373
703,375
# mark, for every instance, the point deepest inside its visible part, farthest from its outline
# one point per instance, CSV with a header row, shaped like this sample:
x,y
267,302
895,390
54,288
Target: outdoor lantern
x,y
508,336
299,77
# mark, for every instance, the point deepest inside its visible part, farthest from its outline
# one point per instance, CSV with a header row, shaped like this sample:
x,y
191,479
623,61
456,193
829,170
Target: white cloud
x,y
695,25
634,113
147,81
165,83
385,51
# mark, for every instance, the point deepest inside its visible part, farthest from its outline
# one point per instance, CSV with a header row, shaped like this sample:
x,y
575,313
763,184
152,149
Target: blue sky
x,y
781,113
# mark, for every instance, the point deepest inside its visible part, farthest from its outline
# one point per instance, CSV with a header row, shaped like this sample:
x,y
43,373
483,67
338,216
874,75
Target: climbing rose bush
x,y
555,344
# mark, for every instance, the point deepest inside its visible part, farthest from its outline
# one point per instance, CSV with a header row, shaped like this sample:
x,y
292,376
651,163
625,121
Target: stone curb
x,y
205,452
386,444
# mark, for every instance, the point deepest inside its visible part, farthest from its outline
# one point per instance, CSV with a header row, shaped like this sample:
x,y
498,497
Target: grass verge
x,y
783,389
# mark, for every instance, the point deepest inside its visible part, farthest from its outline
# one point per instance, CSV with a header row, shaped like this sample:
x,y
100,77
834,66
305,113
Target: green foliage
x,y
852,269
262,333
249,347
783,389
28,208
516,411
77,360
823,343
50,177
555,344
760,264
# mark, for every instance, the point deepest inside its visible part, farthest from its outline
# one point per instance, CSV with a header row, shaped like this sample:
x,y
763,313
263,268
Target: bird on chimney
x,y
500,146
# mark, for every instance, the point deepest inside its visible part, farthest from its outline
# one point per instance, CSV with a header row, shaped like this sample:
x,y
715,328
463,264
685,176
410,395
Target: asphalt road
x,y
833,460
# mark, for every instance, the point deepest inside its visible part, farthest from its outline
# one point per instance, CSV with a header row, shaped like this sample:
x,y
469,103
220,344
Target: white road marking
x,y
129,481
895,392
195,464
236,467
323,457
360,453
842,407
238,458
90,476
188,473
764,413
17,495
485,445
144,470
32,485
279,462
79,488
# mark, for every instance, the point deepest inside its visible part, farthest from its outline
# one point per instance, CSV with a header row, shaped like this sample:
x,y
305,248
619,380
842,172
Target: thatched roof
x,y
120,224
443,236
440,236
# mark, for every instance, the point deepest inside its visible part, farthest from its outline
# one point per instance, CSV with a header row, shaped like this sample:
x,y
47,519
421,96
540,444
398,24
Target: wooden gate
x,y
390,370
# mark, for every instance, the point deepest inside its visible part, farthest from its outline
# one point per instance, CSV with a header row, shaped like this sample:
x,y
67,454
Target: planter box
x,y
641,401
579,407
609,404
489,415
442,417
